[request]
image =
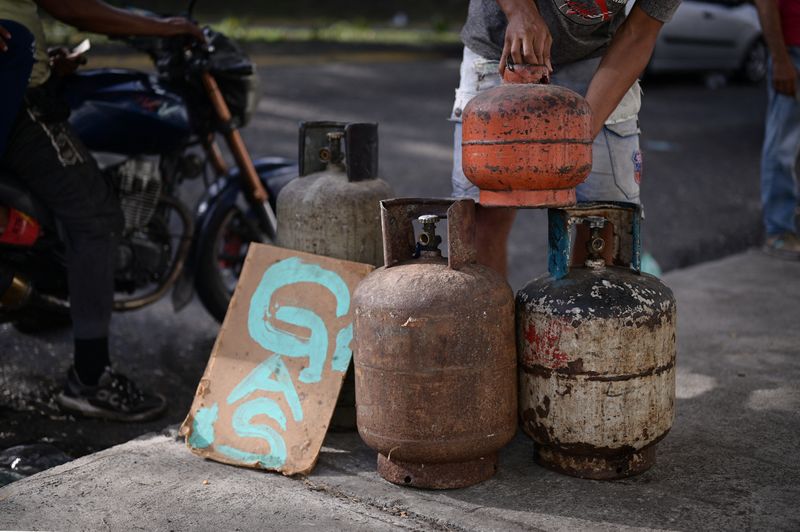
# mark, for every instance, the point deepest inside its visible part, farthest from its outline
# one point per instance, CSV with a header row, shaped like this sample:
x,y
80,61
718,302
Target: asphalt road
x,y
700,190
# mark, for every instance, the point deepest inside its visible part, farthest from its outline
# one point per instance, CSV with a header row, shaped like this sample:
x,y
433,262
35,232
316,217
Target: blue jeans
x,y
15,72
779,156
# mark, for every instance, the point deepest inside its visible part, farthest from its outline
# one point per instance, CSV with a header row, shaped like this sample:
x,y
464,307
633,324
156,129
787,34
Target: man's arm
x,y
626,58
784,74
99,17
527,39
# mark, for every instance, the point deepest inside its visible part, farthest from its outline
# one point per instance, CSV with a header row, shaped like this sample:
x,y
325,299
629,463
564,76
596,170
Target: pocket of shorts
x,y
625,156
462,99
626,128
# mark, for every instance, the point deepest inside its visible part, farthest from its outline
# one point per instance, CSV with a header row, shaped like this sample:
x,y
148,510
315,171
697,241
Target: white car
x,y
712,36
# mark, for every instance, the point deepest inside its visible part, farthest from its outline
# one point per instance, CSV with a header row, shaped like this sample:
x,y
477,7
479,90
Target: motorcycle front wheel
x,y
221,257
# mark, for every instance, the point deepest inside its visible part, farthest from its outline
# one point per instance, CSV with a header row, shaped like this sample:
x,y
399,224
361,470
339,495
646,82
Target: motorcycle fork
x,y
257,194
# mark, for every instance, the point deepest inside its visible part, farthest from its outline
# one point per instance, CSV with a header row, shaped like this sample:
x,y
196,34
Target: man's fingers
x,y
529,52
539,45
546,52
515,52
503,60
197,33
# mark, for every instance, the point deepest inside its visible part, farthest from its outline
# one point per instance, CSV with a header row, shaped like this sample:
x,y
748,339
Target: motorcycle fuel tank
x,y
597,352
126,112
525,143
434,352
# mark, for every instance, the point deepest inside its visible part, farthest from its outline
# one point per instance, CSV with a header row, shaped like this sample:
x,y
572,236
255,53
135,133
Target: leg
x,y
493,225
55,165
57,168
778,159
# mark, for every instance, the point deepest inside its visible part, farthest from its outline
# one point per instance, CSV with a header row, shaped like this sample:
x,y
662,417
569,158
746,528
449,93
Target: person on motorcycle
x,y
48,158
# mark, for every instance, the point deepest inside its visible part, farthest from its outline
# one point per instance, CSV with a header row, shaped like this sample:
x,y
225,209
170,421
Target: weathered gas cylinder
x,y
434,352
332,209
597,352
526,143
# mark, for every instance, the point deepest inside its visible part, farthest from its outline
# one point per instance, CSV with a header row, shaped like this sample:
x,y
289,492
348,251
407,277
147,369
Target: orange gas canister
x,y
527,143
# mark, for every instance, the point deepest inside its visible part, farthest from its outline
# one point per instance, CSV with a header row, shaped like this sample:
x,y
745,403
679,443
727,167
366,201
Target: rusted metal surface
x,y
597,379
526,73
437,475
434,353
595,466
522,138
597,364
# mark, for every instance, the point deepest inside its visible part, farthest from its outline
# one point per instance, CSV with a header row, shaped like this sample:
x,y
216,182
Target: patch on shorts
x,y
637,166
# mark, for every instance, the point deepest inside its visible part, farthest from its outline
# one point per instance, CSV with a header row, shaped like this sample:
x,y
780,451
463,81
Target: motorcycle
x,y
164,128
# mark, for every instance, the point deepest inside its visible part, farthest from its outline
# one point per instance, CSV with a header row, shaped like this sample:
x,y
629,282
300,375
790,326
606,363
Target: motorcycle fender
x,y
275,173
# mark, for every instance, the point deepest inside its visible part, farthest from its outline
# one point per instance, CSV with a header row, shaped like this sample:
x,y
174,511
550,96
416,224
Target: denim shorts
x,y
616,158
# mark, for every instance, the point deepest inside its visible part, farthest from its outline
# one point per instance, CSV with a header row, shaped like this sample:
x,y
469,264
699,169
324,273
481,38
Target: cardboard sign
x,y
276,369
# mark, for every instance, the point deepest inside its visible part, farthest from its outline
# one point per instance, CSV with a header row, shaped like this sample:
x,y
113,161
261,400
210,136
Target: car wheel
x,y
754,64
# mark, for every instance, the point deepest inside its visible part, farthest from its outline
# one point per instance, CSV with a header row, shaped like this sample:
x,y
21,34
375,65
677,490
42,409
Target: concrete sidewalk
x,y
730,462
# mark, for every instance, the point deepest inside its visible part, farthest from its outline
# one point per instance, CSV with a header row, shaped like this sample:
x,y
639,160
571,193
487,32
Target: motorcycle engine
x,y
144,250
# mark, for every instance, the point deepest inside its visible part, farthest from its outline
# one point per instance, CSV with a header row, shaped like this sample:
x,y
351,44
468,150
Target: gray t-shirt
x,y
581,29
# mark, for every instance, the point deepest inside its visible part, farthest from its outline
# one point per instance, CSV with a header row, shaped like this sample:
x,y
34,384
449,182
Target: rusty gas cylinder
x,y
526,143
434,353
597,352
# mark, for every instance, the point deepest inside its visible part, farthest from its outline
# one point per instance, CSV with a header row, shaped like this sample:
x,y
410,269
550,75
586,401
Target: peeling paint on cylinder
x,y
597,370
526,143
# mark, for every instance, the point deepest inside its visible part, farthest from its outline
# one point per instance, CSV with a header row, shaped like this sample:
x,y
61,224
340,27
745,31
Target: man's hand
x,y
527,39
784,76
182,26
4,36
63,62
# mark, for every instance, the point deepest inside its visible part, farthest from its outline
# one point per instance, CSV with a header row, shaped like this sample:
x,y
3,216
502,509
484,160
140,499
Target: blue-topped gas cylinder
x,y
596,346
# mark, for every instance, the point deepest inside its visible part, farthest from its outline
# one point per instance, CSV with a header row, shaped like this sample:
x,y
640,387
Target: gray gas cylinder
x,y
332,208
